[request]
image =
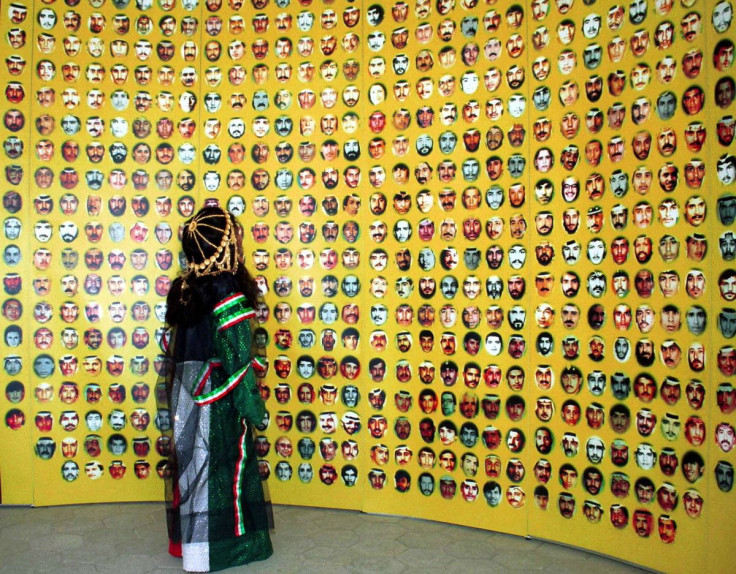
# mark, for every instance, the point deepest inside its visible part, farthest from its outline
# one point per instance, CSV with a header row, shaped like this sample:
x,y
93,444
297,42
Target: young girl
x,y
216,510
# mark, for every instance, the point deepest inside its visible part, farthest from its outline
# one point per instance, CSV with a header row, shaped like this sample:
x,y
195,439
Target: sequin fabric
x,y
217,513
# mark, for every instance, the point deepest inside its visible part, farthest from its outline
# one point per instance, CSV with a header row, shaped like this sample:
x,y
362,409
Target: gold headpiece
x,y
225,257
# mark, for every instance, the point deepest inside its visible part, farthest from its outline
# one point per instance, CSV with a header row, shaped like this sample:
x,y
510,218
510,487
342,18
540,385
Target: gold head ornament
x,y
225,257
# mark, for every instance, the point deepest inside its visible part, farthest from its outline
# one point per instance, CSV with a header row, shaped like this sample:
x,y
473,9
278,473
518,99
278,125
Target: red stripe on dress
x,y
227,301
211,366
259,364
217,394
233,321
238,484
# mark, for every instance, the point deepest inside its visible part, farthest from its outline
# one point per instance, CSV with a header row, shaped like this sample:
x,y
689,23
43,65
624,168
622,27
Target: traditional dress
x,y
217,513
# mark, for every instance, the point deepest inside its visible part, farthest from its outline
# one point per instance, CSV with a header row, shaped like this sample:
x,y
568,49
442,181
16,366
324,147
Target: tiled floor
x,y
131,539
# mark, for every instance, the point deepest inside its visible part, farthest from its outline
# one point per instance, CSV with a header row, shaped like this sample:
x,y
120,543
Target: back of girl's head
x,y
209,242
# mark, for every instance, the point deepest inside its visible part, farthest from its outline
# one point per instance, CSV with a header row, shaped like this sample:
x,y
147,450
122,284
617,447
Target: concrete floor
x,y
131,539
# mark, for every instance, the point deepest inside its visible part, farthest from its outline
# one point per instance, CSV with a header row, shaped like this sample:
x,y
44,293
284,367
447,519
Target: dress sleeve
x,y
232,344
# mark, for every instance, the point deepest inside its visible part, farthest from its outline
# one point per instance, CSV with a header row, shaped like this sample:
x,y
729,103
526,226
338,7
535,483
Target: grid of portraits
x,y
99,173
494,243
624,211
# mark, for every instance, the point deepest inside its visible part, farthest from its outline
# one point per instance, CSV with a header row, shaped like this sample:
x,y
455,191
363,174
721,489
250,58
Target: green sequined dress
x,y
217,513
